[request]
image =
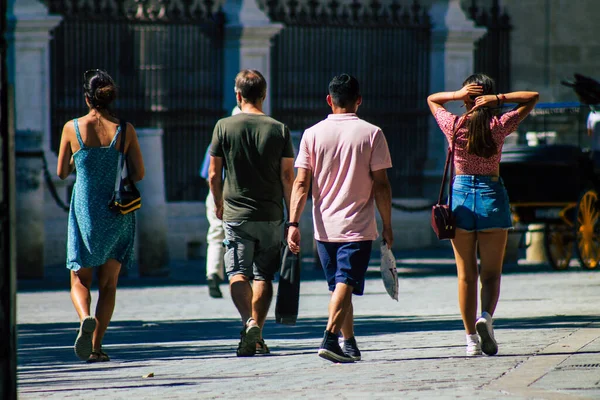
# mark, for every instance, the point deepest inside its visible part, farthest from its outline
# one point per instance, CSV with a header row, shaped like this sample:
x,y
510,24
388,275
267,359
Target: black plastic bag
x,y
288,291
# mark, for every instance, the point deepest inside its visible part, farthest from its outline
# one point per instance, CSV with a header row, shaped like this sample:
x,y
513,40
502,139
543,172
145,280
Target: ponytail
x,y
479,137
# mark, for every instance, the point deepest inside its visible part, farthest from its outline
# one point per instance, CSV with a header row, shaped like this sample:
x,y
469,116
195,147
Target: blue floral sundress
x,y
96,233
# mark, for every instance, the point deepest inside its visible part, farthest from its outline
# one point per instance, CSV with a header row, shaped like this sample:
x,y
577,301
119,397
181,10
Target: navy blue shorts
x,y
345,263
480,203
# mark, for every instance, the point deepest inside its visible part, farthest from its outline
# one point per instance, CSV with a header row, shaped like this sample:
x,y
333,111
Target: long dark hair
x,y
479,138
99,88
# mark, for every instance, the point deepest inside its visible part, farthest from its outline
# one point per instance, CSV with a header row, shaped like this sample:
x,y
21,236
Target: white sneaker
x,y
473,345
486,333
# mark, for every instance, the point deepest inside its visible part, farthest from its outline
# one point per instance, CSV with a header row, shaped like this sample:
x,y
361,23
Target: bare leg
x,y
241,293
492,245
80,291
464,245
261,301
108,276
339,305
348,325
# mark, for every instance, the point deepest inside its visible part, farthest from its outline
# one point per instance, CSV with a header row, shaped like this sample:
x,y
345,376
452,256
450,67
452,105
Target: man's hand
x,y
293,239
219,210
388,236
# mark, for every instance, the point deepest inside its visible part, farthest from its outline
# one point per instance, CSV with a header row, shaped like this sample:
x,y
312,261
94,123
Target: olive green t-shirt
x,y
252,146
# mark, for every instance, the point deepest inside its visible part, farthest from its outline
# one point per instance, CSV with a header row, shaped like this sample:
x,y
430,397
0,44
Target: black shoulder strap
x,y
458,121
123,125
121,163
123,135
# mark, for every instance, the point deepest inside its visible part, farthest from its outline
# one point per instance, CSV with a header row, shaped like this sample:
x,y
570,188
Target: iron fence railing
x,y
167,59
386,47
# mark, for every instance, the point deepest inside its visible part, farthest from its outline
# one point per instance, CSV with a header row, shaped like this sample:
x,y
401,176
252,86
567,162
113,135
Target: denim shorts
x,y
345,263
480,203
253,248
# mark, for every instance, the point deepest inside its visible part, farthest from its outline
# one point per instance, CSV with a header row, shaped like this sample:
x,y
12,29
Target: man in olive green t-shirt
x,y
257,154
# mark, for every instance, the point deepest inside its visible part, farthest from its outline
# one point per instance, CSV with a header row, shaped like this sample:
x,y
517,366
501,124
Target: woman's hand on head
x,y
472,89
485,101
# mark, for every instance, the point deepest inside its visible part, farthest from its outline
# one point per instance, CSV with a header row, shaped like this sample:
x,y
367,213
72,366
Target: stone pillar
x,y
248,35
28,35
534,240
152,249
453,43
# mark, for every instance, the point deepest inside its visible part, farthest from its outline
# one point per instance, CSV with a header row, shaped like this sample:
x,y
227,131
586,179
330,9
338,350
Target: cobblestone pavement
x,y
547,326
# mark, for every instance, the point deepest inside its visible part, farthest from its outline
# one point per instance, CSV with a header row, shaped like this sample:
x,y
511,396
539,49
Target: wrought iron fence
x,y
492,51
387,47
167,59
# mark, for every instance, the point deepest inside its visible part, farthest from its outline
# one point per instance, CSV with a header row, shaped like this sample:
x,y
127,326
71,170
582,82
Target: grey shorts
x,y
253,248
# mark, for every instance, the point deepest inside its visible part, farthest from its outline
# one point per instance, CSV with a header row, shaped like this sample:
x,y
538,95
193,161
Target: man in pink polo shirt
x,y
346,159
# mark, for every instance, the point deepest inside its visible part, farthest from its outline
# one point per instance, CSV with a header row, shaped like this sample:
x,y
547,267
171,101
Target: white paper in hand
x,y
389,273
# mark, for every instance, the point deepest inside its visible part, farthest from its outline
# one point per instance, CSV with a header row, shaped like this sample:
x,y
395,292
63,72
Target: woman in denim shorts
x,y
479,199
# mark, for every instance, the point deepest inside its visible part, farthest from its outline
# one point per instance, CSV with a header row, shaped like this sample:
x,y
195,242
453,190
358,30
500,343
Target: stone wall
x,y
551,40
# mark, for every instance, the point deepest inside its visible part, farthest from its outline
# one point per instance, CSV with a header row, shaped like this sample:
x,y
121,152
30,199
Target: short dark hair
x,y
251,85
344,90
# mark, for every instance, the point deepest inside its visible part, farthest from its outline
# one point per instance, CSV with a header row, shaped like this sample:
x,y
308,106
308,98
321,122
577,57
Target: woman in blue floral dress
x,y
98,238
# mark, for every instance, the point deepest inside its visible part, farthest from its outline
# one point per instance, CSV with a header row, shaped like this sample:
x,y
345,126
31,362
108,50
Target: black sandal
x,y
98,356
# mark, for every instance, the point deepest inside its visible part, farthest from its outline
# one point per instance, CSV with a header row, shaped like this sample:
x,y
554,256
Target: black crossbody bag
x,y
126,198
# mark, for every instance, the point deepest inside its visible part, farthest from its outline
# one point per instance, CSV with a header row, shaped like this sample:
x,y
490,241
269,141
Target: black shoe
x,y
262,348
213,287
249,336
351,349
331,350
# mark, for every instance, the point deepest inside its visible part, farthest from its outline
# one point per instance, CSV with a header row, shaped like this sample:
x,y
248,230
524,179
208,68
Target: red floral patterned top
x,y
470,164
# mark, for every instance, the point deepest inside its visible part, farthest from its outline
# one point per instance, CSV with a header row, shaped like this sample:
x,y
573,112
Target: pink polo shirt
x,y
341,151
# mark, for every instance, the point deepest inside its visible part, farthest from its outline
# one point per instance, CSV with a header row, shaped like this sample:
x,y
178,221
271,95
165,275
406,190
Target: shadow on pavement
x,y
43,346
47,389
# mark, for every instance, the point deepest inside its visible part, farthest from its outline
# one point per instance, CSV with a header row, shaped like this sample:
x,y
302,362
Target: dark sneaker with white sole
x,y
351,349
330,349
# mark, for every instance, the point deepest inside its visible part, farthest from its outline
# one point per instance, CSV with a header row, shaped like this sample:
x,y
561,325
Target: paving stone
x,y
412,349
